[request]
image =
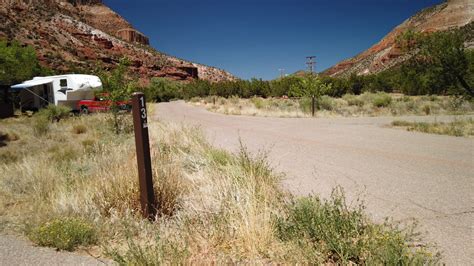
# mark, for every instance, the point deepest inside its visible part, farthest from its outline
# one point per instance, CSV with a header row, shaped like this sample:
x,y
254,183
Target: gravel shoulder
x,y
399,174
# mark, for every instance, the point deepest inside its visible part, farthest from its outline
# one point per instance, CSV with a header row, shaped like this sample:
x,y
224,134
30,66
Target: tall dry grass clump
x,y
68,190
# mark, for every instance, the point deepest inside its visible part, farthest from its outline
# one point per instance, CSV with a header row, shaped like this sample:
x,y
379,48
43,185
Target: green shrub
x,y
162,90
353,100
305,104
64,234
382,99
345,235
325,103
55,113
258,102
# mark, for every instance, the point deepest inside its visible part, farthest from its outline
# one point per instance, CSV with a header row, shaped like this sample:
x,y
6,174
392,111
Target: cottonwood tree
x,y
439,63
118,86
18,63
309,86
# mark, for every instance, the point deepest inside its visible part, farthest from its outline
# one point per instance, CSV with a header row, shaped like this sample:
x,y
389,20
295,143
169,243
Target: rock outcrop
x,y
133,36
386,53
82,35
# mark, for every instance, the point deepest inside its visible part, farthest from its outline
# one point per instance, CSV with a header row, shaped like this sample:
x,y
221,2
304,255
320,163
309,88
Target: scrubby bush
x,y
305,104
65,234
258,102
381,99
353,100
345,235
325,103
55,112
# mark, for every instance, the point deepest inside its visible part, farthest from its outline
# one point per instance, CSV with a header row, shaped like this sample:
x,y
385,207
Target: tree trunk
x,y
465,85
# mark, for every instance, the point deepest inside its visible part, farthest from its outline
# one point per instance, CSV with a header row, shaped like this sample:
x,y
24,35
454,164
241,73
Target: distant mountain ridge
x,y
451,14
71,35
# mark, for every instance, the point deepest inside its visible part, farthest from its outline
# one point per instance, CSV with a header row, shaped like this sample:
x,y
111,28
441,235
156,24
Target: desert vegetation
x,y
75,187
366,104
459,127
18,63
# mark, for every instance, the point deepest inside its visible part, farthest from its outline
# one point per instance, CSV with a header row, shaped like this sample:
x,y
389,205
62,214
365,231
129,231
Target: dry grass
x,y
367,104
458,128
213,206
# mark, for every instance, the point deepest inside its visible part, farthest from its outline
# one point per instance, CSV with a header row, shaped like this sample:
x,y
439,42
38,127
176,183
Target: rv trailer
x,y
64,90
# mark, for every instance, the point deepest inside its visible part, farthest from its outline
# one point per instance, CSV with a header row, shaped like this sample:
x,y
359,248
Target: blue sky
x,y
256,38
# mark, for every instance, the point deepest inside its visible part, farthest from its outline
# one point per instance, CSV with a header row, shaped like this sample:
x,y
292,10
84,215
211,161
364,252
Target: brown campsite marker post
x,y
313,105
142,143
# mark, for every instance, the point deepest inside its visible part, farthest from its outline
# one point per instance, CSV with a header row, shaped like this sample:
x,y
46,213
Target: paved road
x,y
400,174
15,250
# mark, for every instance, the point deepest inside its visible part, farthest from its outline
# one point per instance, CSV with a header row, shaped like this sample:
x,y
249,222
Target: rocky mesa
x,y
81,35
386,54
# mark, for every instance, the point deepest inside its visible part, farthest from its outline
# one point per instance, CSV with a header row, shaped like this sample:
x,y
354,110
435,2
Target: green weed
x,y
345,235
65,234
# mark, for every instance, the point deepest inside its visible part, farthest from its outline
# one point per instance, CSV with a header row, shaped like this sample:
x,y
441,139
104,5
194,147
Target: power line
x,y
311,63
282,72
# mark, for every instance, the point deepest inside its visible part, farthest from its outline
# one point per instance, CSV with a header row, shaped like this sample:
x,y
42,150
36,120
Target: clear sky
x,y
256,38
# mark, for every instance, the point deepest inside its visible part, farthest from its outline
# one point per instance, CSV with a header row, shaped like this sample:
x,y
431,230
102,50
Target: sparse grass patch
x,y
458,128
7,156
366,104
41,125
65,234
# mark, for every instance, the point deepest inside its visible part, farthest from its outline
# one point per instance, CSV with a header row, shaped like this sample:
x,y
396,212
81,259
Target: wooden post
x,y
142,143
313,107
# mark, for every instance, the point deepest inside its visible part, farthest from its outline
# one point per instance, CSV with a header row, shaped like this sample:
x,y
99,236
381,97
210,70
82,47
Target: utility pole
x,y
282,72
311,63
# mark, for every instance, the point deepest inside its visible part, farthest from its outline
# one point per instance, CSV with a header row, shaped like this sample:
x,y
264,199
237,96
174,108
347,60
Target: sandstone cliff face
x,y
82,35
386,54
133,36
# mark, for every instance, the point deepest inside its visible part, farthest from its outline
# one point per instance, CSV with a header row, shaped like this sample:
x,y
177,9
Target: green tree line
x,y
439,64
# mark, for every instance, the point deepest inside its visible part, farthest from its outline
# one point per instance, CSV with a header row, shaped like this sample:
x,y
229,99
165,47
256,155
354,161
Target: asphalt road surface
x,y
16,250
398,174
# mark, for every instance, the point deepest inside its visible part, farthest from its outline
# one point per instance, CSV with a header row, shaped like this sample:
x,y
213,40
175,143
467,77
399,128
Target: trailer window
x,y
63,83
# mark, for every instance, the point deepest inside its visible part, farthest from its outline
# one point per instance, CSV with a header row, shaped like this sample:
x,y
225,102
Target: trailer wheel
x,y
84,110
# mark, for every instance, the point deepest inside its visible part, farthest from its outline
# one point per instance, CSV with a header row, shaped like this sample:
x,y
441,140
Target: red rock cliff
x,y
80,35
386,54
133,36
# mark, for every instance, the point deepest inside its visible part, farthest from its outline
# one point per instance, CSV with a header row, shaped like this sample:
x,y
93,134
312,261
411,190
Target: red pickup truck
x,y
101,104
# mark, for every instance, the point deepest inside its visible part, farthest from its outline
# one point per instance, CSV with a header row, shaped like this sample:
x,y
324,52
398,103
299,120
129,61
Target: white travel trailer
x,y
64,90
